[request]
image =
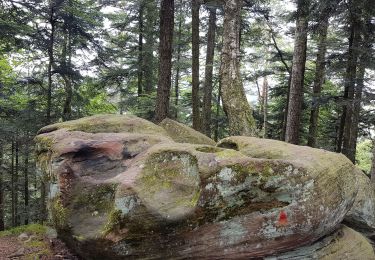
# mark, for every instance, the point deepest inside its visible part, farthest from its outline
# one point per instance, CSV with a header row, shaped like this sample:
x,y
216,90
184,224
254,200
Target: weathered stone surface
x,y
110,123
343,244
362,215
138,195
183,134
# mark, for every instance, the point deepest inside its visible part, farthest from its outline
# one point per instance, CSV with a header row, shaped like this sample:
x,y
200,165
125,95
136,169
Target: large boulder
x,y
140,194
361,216
183,134
343,244
107,124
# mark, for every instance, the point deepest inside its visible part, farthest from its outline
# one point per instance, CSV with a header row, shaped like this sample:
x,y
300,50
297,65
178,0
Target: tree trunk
x,y
2,206
67,77
26,183
216,136
298,72
195,64
12,185
350,77
265,105
285,117
178,57
236,106
372,172
318,80
209,73
282,59
149,46
16,181
50,62
363,63
140,48
165,59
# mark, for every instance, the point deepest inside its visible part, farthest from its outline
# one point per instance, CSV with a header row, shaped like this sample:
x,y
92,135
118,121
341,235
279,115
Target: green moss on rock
x,y
107,124
183,134
59,214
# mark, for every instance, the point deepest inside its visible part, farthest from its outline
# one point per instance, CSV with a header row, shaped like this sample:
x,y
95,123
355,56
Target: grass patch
x,y
35,229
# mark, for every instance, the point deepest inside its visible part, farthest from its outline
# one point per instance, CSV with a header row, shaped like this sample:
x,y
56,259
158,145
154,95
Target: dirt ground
x,y
14,248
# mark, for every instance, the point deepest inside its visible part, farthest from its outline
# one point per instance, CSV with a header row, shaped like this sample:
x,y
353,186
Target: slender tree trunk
x,y
16,181
149,47
12,183
236,106
318,80
285,117
351,72
372,172
66,58
50,63
209,73
2,206
177,77
140,48
195,64
26,183
216,136
165,59
363,63
282,59
265,105
298,72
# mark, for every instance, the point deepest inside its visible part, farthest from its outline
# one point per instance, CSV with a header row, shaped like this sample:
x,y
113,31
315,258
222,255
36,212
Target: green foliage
x,y
364,155
99,104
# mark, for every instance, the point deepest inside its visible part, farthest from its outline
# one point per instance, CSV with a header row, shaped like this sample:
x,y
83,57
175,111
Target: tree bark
x,y
149,46
351,73
363,63
236,106
195,64
265,105
140,49
372,172
51,21
298,72
12,185
318,80
178,57
216,135
2,206
207,98
68,68
16,181
165,59
26,183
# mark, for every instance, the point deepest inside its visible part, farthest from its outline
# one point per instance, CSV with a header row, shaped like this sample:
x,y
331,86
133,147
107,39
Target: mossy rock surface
x,y
173,194
107,123
183,134
361,216
344,244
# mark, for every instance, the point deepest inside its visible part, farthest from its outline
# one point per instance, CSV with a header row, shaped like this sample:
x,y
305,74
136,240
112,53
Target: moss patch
x,y
32,229
183,134
170,182
109,123
59,214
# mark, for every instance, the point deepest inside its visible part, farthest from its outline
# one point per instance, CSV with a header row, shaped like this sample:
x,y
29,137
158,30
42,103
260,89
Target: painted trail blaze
x,y
283,219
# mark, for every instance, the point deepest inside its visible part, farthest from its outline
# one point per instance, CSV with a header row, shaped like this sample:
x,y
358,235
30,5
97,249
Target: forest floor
x,y
36,242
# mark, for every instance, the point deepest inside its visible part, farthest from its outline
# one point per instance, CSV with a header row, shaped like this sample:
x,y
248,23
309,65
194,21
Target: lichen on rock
x,y
121,187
